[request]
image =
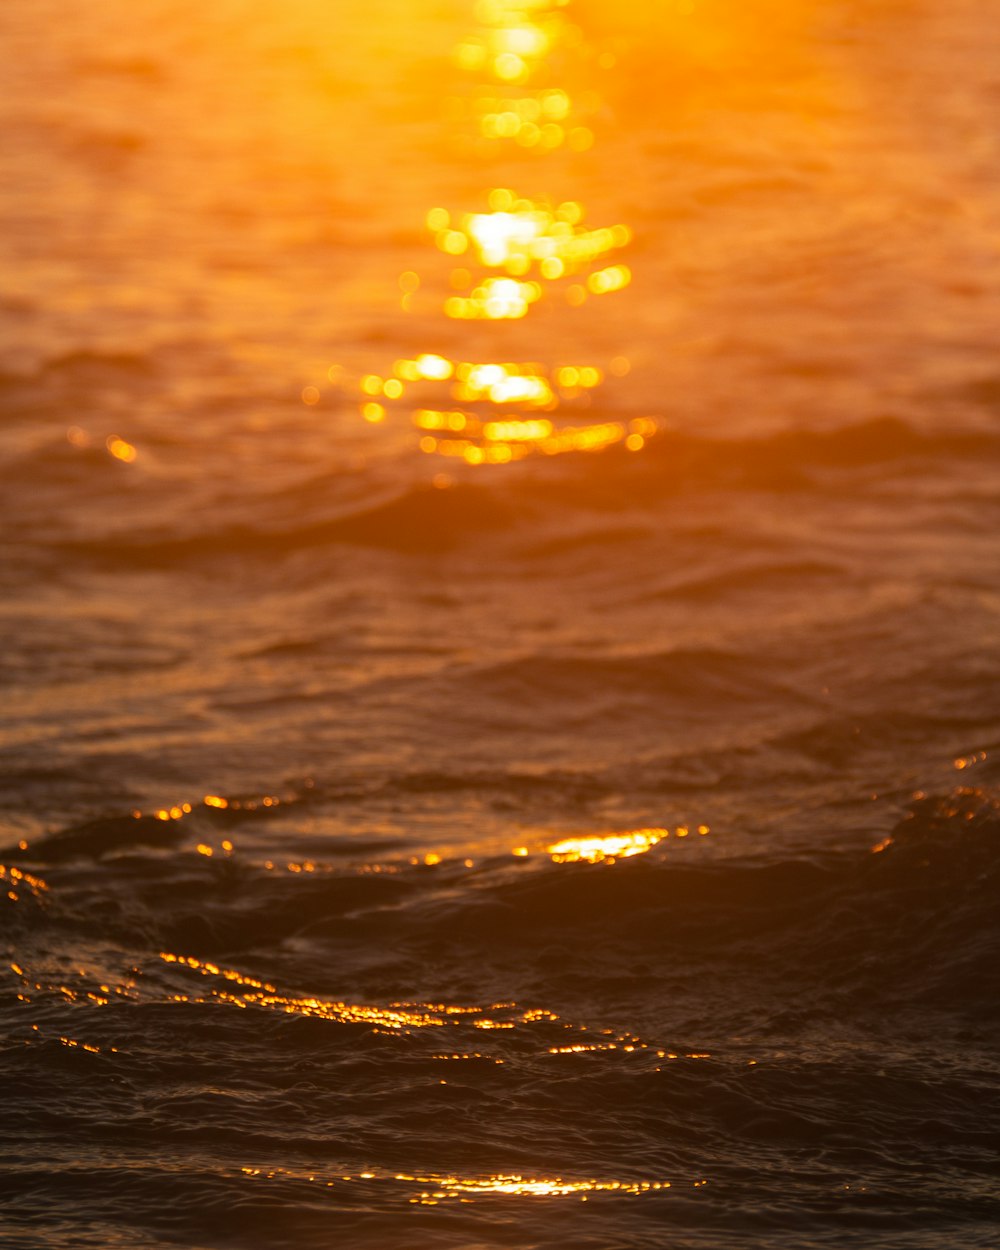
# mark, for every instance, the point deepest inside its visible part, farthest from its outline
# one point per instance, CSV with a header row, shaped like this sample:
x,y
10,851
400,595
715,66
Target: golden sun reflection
x,y
608,848
511,39
517,1186
15,883
436,1188
510,259
487,389
519,233
244,991
74,1044
214,803
120,449
968,761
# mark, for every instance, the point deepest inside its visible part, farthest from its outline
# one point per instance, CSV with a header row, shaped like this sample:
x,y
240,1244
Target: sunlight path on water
x,y
510,258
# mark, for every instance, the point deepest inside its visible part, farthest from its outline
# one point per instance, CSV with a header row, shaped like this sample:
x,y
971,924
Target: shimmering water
x,y
500,617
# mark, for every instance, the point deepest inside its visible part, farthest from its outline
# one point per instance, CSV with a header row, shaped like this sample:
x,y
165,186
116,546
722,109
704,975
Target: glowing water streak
x,y
521,248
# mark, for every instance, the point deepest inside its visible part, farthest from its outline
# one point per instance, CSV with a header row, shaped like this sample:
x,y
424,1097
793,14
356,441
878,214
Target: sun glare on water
x,y
507,259
456,1188
608,848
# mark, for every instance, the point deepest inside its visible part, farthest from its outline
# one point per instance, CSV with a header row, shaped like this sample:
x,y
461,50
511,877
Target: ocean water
x,y
500,599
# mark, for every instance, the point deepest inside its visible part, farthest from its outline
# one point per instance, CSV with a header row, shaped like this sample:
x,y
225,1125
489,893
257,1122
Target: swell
x,y
228,1055
417,520
768,577
917,920
420,519
702,679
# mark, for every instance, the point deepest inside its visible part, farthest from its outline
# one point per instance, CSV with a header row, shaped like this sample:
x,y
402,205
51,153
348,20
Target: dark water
x,y
414,843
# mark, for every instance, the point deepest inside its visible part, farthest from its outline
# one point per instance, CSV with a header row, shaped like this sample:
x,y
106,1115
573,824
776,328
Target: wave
x,y
766,577
419,520
701,678
914,922
547,507
840,741
333,1046
917,919
791,460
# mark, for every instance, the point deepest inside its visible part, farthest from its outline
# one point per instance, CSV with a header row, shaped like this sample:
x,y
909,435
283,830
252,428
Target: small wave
x,y
789,459
943,841
915,922
90,360
420,520
546,509
840,741
767,578
701,679
104,836
786,460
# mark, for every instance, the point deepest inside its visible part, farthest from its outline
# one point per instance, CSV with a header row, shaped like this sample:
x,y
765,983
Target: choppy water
x,y
421,831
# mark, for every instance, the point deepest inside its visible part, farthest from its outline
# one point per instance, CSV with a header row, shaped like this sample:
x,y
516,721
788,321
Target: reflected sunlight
x,y
518,256
244,991
610,847
437,1188
607,848
15,882
517,1186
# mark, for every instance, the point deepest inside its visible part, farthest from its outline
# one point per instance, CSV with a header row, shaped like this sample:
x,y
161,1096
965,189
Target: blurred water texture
x,y
499,765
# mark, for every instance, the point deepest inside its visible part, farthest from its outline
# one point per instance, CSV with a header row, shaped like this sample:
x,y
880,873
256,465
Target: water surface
x,y
500,625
